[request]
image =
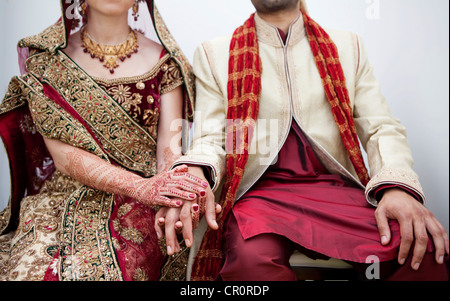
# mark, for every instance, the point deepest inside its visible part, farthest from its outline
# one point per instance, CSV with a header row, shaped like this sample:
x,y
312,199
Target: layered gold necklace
x,y
109,55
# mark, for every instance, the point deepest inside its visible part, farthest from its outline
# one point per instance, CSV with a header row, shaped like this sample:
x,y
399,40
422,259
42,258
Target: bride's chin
x,y
111,7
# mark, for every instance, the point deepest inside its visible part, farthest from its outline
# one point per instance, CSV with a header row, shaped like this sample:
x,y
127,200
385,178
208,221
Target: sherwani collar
x,y
268,33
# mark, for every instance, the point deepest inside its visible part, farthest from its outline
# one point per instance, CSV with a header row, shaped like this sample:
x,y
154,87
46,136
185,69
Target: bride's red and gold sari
x,y
55,228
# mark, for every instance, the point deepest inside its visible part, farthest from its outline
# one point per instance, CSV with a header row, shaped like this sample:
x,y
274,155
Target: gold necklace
x,y
109,54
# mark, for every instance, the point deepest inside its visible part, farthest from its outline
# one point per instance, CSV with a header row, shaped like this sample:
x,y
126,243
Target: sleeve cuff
x,y
389,178
379,191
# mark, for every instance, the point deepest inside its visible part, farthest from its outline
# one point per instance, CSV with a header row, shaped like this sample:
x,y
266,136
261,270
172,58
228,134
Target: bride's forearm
x,y
95,172
101,175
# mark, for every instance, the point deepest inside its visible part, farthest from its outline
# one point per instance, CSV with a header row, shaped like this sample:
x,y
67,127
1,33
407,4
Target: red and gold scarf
x,y
244,90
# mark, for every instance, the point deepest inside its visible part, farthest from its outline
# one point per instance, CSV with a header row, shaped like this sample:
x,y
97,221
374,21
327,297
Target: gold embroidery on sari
x,y
132,234
171,77
86,249
86,245
130,102
60,182
124,210
32,246
175,267
5,216
171,45
121,136
150,119
13,97
119,90
140,275
53,122
50,39
134,79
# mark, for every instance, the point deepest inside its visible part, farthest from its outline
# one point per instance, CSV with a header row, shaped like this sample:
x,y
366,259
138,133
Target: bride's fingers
x,y
177,193
187,186
195,214
190,178
166,202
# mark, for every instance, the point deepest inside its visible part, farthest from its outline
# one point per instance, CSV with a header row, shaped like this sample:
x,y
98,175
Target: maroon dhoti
x,y
297,204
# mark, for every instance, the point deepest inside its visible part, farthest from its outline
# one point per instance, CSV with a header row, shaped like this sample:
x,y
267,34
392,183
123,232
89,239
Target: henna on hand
x,y
96,173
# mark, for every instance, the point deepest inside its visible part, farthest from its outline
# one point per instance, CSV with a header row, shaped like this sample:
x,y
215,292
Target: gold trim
x,y
396,176
52,38
133,79
13,97
171,87
84,205
49,108
123,138
115,147
93,258
171,46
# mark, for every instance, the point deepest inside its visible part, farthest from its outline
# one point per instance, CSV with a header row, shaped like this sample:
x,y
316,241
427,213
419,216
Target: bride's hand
x,y
171,188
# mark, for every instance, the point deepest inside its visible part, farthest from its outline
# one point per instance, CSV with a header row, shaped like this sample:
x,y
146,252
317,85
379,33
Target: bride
x,y
90,136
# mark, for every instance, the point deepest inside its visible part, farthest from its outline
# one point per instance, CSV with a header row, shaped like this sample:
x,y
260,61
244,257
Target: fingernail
x,y
158,234
205,184
179,203
441,260
384,239
169,250
402,261
202,193
416,266
188,242
195,207
191,195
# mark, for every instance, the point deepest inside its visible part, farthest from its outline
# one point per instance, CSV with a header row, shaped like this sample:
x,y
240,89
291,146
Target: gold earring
x,y
136,10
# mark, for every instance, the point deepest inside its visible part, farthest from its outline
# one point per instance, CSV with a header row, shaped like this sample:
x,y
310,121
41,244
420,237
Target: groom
x,y
315,194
